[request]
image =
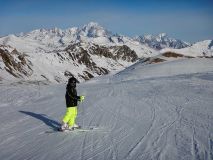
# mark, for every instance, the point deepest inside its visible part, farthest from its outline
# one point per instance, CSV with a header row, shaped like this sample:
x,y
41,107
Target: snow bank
x,y
158,111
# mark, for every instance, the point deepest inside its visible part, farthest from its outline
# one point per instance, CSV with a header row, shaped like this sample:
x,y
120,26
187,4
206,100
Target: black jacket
x,y
71,96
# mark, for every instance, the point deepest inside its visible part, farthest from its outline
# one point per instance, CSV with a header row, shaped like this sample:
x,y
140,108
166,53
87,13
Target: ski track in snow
x,y
139,119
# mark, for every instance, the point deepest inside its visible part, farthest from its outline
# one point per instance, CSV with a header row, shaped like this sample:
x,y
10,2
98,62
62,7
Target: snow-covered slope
x,y
146,112
202,49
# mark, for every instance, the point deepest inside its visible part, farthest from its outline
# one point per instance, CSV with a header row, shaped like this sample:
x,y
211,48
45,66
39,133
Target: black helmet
x,y
72,82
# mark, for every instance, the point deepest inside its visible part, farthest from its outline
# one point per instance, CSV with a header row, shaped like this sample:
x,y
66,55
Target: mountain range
x,y
85,52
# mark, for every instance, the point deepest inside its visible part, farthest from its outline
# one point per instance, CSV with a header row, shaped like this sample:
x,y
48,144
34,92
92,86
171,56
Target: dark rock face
x,y
172,54
101,51
16,63
210,45
126,54
115,52
82,55
68,74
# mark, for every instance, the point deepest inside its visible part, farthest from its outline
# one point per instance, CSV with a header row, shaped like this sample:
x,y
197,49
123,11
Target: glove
x,y
82,98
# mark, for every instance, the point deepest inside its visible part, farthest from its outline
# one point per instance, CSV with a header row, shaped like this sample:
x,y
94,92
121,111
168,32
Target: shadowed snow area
x,y
159,111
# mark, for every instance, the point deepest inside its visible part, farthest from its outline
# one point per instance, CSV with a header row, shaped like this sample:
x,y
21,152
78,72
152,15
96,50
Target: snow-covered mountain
x,y
14,63
161,41
82,60
201,49
94,30
83,52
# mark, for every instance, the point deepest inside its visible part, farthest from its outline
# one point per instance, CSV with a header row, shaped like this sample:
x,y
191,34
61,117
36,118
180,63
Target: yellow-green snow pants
x,y
70,115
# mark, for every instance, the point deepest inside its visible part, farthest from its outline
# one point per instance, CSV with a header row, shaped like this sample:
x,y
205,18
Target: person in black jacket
x,y
72,99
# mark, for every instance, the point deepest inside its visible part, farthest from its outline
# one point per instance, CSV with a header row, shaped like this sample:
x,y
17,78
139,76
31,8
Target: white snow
x,y
42,45
160,111
197,49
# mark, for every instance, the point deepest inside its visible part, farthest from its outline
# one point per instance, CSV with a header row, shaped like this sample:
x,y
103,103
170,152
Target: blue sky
x,y
188,20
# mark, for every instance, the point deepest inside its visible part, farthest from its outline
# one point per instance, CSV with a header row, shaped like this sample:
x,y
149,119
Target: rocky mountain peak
x,y
162,35
161,41
94,30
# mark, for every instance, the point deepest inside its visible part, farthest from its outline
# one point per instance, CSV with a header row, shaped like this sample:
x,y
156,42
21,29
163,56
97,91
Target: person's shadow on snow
x,y
49,122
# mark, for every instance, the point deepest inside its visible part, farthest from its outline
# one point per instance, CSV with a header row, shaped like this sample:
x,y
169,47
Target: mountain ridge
x,y
83,52
94,30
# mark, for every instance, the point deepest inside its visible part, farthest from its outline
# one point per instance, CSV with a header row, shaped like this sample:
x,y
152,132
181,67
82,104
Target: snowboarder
x,y
68,121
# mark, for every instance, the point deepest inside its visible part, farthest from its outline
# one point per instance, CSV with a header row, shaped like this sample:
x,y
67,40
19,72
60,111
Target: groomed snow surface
x,y
159,111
